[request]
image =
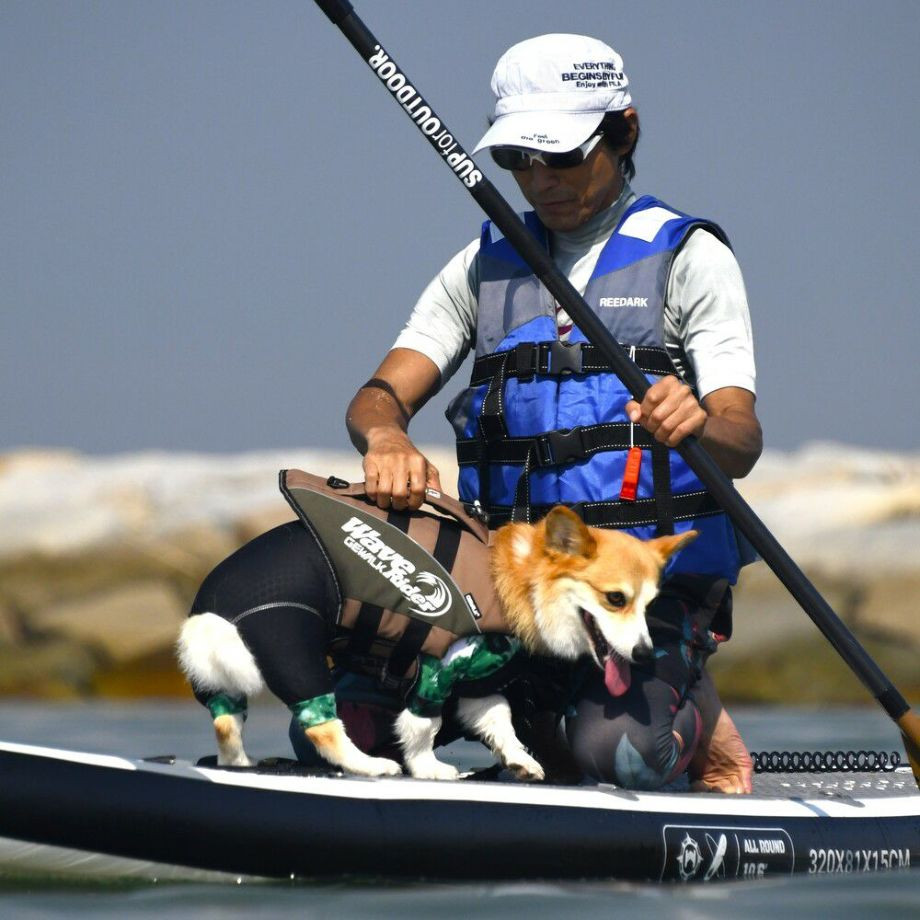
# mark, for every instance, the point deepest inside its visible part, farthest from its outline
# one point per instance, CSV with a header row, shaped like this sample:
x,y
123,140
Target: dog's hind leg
x,y
489,718
416,735
223,673
229,715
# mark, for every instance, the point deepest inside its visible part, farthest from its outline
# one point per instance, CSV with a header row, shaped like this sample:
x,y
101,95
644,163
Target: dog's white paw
x,y
383,766
523,767
360,764
432,768
441,771
235,760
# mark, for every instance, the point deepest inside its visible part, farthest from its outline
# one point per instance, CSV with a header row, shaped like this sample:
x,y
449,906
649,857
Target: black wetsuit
x,y
280,594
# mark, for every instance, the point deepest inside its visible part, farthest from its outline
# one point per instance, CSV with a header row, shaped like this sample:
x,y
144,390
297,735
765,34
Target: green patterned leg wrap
x,y
467,659
315,711
432,688
224,705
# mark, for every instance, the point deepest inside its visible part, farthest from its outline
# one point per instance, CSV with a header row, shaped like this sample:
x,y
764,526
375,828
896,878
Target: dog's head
x,y
569,590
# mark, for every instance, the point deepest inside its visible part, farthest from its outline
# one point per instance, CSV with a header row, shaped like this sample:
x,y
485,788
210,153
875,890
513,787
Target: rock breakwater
x,y
100,558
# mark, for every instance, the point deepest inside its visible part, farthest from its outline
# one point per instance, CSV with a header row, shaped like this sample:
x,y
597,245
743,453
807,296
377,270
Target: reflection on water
x,y
879,897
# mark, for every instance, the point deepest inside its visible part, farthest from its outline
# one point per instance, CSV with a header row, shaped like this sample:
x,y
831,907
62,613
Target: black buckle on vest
x,y
475,510
335,483
565,358
525,360
557,447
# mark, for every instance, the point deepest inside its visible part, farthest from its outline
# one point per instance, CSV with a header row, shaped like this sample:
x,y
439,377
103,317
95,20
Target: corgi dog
x,y
565,590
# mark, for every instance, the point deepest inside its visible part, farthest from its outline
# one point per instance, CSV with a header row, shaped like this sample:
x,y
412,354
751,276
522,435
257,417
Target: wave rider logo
x,y
425,590
429,123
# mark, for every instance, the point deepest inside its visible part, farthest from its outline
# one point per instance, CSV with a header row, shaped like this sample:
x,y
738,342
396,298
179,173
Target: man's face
x,y
564,199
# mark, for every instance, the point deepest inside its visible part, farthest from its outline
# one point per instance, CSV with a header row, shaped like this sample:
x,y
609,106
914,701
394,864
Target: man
x,y
668,287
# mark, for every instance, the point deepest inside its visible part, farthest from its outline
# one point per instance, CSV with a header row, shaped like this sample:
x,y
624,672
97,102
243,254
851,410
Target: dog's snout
x,y
642,651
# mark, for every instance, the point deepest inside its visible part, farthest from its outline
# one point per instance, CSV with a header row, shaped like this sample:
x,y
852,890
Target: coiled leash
x,y
825,761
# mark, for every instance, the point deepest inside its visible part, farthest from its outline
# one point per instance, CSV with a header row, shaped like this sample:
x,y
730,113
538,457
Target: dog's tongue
x,y
617,675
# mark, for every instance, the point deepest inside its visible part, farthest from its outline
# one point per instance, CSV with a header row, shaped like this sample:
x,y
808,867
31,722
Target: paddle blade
x,y
909,724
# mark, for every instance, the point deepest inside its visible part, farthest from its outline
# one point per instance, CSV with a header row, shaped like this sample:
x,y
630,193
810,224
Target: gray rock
x,y
100,557
124,622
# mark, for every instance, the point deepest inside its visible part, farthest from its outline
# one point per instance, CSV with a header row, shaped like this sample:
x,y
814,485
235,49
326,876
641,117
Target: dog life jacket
x,y
409,582
544,422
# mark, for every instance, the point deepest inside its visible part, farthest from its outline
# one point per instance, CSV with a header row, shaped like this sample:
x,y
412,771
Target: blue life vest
x,y
543,422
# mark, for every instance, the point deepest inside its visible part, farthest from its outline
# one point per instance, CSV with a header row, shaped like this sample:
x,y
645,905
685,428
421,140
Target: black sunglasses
x,y
521,158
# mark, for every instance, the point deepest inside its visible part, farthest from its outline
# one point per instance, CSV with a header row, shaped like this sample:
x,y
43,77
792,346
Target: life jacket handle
x,y
445,504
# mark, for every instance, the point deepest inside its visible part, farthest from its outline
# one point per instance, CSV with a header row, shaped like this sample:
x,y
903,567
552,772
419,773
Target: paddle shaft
x,y
342,14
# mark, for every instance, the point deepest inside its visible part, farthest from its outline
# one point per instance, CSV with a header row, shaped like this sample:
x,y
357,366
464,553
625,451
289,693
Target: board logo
x,y
689,859
707,853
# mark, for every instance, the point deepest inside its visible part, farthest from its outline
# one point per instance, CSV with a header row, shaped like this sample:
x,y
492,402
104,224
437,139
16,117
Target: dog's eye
x,y
616,599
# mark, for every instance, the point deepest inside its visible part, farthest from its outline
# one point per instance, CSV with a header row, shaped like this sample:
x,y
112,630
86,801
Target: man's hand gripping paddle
x,y
342,14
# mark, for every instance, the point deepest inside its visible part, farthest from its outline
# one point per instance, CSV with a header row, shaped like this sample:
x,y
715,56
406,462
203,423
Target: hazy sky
x,y
214,220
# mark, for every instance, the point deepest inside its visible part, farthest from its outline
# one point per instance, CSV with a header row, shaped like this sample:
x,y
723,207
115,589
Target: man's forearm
x,y
395,472
735,443
375,410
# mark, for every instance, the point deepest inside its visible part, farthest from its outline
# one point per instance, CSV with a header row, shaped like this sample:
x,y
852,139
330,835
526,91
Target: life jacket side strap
x,y
446,546
373,663
620,515
335,487
405,652
491,423
661,483
365,629
410,643
559,359
553,448
399,520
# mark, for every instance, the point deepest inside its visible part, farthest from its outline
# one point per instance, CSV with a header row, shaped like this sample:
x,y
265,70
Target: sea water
x,y
183,729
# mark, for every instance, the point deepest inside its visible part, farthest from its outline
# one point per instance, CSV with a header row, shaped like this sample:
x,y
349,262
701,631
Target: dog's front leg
x,y
333,745
323,728
416,736
489,718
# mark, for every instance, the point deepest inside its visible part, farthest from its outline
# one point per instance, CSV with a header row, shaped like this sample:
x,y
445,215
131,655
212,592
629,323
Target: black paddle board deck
x,y
89,814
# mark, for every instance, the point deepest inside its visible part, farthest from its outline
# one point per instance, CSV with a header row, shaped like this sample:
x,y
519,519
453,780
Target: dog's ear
x,y
665,547
566,533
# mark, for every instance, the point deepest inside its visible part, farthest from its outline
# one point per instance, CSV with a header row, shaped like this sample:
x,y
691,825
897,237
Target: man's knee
x,y
631,748
630,759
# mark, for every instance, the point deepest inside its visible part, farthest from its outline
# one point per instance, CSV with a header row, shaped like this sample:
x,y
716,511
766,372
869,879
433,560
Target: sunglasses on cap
x,y
520,159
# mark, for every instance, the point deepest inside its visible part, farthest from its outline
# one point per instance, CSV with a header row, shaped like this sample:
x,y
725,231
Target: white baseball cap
x,y
552,91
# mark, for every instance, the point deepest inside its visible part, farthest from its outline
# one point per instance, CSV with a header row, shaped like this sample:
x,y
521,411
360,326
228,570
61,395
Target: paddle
x,y
342,14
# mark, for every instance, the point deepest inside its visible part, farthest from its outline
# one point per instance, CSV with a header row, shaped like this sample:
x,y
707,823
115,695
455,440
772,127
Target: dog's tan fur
x,y
536,570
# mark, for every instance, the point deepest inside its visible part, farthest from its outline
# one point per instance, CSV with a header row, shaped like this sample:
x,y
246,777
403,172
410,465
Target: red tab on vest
x,y
631,475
